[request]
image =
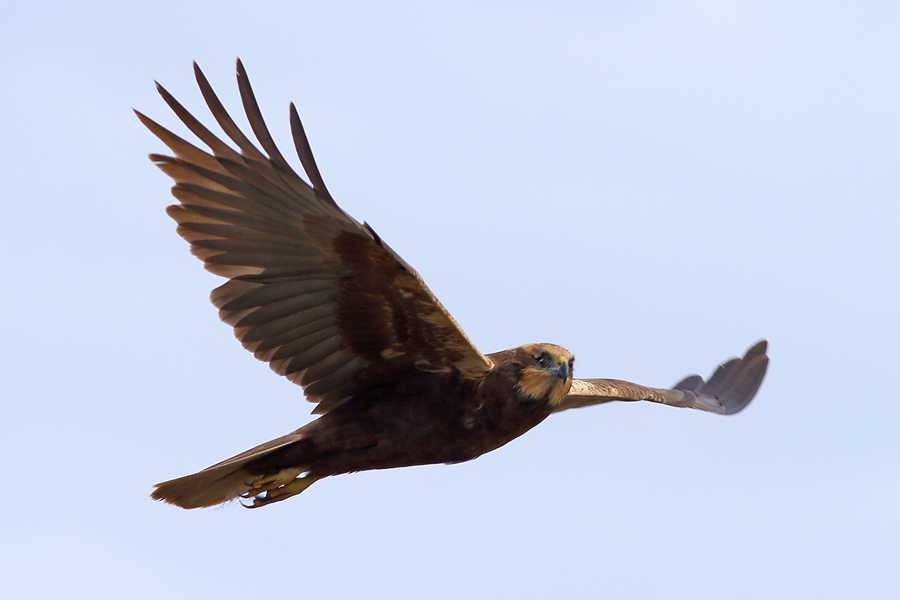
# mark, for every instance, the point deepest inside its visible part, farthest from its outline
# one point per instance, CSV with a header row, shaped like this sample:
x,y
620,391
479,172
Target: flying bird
x,y
329,305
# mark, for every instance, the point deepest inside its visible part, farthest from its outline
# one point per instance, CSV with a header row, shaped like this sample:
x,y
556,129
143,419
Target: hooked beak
x,y
562,371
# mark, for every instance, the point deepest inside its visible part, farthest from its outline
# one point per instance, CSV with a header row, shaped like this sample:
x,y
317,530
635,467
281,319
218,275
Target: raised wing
x,y
311,291
727,392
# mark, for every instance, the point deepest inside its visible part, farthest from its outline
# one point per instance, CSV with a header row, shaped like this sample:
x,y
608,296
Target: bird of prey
x,y
329,305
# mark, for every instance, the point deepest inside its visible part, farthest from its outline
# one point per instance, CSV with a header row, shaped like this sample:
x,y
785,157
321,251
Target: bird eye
x,y
543,359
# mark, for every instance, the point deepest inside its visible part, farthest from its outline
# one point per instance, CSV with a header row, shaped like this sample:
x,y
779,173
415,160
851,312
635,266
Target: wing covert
x,y
311,291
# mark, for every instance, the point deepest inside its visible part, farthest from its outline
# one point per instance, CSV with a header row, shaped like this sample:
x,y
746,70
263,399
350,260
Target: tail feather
x,y
223,481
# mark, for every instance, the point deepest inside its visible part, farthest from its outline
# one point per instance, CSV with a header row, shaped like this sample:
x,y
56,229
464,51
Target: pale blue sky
x,y
653,185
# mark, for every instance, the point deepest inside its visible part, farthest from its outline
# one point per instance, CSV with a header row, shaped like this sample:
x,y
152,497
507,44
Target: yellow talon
x,y
278,493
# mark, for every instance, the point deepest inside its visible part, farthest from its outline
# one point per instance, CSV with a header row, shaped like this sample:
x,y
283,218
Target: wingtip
x,y
758,348
169,98
147,121
743,389
200,77
732,386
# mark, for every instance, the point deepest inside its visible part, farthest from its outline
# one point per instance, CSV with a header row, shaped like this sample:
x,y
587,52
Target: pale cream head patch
x,y
541,379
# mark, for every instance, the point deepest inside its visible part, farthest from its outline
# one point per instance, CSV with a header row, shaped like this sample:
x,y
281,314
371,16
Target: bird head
x,y
546,372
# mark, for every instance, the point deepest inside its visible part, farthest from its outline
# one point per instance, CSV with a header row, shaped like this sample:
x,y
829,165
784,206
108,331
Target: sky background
x,y
653,185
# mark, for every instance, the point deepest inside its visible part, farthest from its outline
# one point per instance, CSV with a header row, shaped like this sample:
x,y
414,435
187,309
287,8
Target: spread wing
x,y
310,290
727,392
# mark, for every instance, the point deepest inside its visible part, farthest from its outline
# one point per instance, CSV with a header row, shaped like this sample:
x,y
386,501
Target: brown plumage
x,y
330,306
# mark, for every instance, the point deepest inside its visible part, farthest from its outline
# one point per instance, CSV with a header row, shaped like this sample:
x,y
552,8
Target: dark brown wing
x,y
311,291
728,391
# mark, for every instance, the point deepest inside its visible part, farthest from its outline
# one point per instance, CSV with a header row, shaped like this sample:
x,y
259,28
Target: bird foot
x,y
279,479
276,488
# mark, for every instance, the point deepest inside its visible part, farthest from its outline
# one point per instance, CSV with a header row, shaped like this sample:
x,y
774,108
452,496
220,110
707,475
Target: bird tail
x,y
232,478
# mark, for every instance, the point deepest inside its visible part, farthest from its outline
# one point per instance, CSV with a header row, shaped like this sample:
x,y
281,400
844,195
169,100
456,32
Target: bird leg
x,y
277,487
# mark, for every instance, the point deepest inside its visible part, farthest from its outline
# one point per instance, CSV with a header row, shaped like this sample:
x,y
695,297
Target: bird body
x,y
420,420
331,307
